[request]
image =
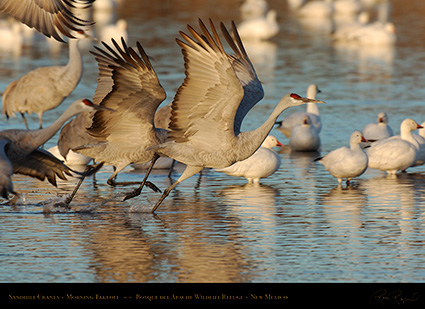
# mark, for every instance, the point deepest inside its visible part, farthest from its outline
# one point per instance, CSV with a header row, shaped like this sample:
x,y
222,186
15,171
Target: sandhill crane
x,y
123,136
209,106
44,88
20,153
50,17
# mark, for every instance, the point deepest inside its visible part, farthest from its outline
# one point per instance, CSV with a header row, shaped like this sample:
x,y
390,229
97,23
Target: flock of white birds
x,y
375,146
105,141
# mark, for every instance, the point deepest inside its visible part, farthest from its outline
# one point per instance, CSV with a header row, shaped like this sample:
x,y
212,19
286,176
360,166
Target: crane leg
x,y
188,172
25,121
149,184
171,168
144,182
88,171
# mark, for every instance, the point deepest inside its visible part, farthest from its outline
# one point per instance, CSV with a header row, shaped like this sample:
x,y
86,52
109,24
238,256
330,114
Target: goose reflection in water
x,y
401,190
342,201
251,195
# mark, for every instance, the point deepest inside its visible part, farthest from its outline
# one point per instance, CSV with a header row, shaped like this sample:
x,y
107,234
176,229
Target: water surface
x,y
296,226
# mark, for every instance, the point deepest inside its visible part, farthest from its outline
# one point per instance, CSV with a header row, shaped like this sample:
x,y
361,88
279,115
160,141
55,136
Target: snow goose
x,y
317,8
379,130
263,163
304,136
346,162
12,38
261,28
420,139
114,31
312,110
395,153
343,31
347,7
252,9
376,34
73,158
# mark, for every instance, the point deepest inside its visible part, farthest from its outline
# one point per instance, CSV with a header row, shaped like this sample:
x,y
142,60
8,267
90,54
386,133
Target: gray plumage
x,y
50,17
206,111
44,88
20,152
128,84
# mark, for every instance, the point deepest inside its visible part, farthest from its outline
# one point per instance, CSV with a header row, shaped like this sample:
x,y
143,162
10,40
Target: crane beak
x,y
305,100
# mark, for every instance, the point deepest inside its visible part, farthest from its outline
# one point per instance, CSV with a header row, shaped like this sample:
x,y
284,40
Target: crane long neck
x,y
250,141
73,70
41,136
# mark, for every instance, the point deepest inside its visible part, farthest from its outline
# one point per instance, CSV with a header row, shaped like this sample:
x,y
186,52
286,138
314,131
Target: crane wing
x,y
253,90
134,96
6,170
41,164
205,105
50,17
74,133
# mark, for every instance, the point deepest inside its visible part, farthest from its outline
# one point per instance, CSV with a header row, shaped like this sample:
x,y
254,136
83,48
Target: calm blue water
x,y
297,226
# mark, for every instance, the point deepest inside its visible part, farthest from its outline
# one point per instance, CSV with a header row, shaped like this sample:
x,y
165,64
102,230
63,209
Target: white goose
x,y
343,31
347,162
420,139
376,34
261,28
347,7
379,130
263,163
115,31
317,8
312,110
304,136
395,153
252,9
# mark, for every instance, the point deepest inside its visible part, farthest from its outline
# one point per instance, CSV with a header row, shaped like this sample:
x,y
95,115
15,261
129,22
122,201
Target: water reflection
x,y
343,207
403,190
376,59
297,226
251,196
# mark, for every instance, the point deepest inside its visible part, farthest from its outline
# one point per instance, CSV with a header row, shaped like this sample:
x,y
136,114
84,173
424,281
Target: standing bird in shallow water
x,y
263,163
50,17
20,153
44,88
347,162
395,153
218,91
